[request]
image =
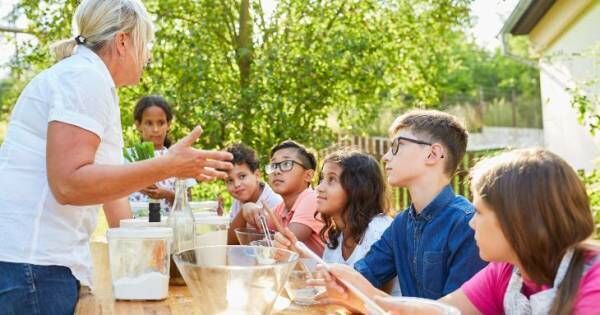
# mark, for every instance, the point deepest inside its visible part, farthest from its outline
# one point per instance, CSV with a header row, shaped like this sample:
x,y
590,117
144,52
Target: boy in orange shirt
x,y
290,172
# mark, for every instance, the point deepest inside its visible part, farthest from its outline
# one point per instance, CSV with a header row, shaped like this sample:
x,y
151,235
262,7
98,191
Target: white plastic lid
x,y
138,204
141,222
204,204
147,232
211,219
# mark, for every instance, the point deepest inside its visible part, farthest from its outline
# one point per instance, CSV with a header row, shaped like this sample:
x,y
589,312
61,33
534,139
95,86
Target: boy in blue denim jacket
x,y
429,246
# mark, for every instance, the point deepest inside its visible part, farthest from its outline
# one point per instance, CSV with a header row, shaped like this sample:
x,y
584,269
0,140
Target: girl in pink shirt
x,y
532,220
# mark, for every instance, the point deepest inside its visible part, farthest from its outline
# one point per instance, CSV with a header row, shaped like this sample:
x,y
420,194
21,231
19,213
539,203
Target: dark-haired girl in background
x,y
153,116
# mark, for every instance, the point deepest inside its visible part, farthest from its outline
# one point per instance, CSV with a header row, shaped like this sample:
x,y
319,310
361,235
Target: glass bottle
x,y
181,220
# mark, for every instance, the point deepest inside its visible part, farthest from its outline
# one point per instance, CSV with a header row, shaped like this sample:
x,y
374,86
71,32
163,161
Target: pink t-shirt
x,y
303,212
487,288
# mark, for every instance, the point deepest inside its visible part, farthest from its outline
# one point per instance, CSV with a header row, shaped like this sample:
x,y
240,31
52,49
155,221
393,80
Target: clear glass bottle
x,y
181,220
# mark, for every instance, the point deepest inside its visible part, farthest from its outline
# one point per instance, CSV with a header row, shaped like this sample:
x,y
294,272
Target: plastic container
x,y
139,261
141,222
211,230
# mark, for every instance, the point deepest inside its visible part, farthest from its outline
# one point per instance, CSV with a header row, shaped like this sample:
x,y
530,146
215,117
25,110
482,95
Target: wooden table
x,y
180,301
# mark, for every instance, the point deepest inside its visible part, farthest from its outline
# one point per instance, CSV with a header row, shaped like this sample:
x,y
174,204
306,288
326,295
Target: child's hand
x,y
337,293
397,305
158,193
286,240
251,212
329,280
150,191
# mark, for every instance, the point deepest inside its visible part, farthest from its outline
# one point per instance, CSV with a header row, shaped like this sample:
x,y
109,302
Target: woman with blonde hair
x,y
62,158
532,222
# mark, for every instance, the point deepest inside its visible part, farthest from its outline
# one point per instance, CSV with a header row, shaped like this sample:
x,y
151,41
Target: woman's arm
x,y
117,210
75,179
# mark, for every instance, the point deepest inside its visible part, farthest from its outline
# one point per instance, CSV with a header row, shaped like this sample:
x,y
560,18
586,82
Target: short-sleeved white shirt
x,y
373,233
270,197
35,228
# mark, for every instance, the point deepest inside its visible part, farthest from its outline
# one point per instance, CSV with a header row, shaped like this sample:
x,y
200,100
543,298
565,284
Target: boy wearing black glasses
x,y
290,172
429,246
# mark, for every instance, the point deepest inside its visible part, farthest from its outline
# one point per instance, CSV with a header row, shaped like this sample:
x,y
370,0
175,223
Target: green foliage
x,y
484,87
211,191
9,92
497,89
261,77
139,151
586,109
585,98
592,183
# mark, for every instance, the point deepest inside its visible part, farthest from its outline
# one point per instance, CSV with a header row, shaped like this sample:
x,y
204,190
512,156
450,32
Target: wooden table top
x,y
180,301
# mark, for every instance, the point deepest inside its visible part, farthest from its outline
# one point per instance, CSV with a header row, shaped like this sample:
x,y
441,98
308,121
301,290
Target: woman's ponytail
x,y
63,48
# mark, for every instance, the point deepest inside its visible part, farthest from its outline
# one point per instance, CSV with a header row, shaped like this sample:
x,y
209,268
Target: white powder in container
x,y
149,286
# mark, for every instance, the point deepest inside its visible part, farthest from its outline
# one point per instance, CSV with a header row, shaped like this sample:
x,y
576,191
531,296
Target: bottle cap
x,y
154,212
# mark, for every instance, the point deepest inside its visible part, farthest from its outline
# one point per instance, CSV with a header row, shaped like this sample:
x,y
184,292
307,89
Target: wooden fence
x,y
378,146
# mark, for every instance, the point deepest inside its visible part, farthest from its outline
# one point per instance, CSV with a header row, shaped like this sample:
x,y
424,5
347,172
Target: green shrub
x,y
592,183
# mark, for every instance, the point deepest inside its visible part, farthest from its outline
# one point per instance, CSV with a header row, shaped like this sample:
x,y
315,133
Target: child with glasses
x,y
243,180
532,224
429,246
290,172
352,198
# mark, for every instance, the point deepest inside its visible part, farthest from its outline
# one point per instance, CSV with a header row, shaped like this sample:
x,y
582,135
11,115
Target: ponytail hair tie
x,y
80,39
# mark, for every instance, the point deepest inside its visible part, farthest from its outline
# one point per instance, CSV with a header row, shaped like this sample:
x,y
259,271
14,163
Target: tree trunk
x,y
244,44
244,53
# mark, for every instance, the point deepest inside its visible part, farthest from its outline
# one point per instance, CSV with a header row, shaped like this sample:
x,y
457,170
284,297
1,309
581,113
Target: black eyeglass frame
x,y
271,167
396,143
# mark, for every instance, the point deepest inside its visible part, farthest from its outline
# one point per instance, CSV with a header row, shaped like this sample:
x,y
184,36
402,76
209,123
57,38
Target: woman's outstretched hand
x,y
186,161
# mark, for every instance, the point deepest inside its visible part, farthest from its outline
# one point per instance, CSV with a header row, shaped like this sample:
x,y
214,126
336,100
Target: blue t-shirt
x,y
433,252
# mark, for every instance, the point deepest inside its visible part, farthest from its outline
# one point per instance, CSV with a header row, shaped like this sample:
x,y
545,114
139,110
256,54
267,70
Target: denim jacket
x,y
433,252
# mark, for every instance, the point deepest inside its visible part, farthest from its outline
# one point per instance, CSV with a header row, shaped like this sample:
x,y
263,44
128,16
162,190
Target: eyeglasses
x,y
396,143
284,166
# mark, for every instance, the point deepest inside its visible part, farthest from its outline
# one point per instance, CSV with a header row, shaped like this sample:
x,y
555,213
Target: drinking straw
x,y
279,227
276,221
263,224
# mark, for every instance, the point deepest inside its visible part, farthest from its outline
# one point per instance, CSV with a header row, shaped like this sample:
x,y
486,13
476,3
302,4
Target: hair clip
x,y
80,39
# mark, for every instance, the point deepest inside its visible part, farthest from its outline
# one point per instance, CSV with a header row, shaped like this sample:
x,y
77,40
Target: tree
x,y
260,77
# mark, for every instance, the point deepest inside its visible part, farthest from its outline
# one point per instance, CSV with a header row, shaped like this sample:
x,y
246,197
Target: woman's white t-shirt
x,y
373,233
35,228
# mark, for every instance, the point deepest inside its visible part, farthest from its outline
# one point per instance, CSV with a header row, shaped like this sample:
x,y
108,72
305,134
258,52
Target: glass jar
x,y
181,220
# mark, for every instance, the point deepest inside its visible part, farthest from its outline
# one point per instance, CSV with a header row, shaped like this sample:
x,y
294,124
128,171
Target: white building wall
x,y
561,71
